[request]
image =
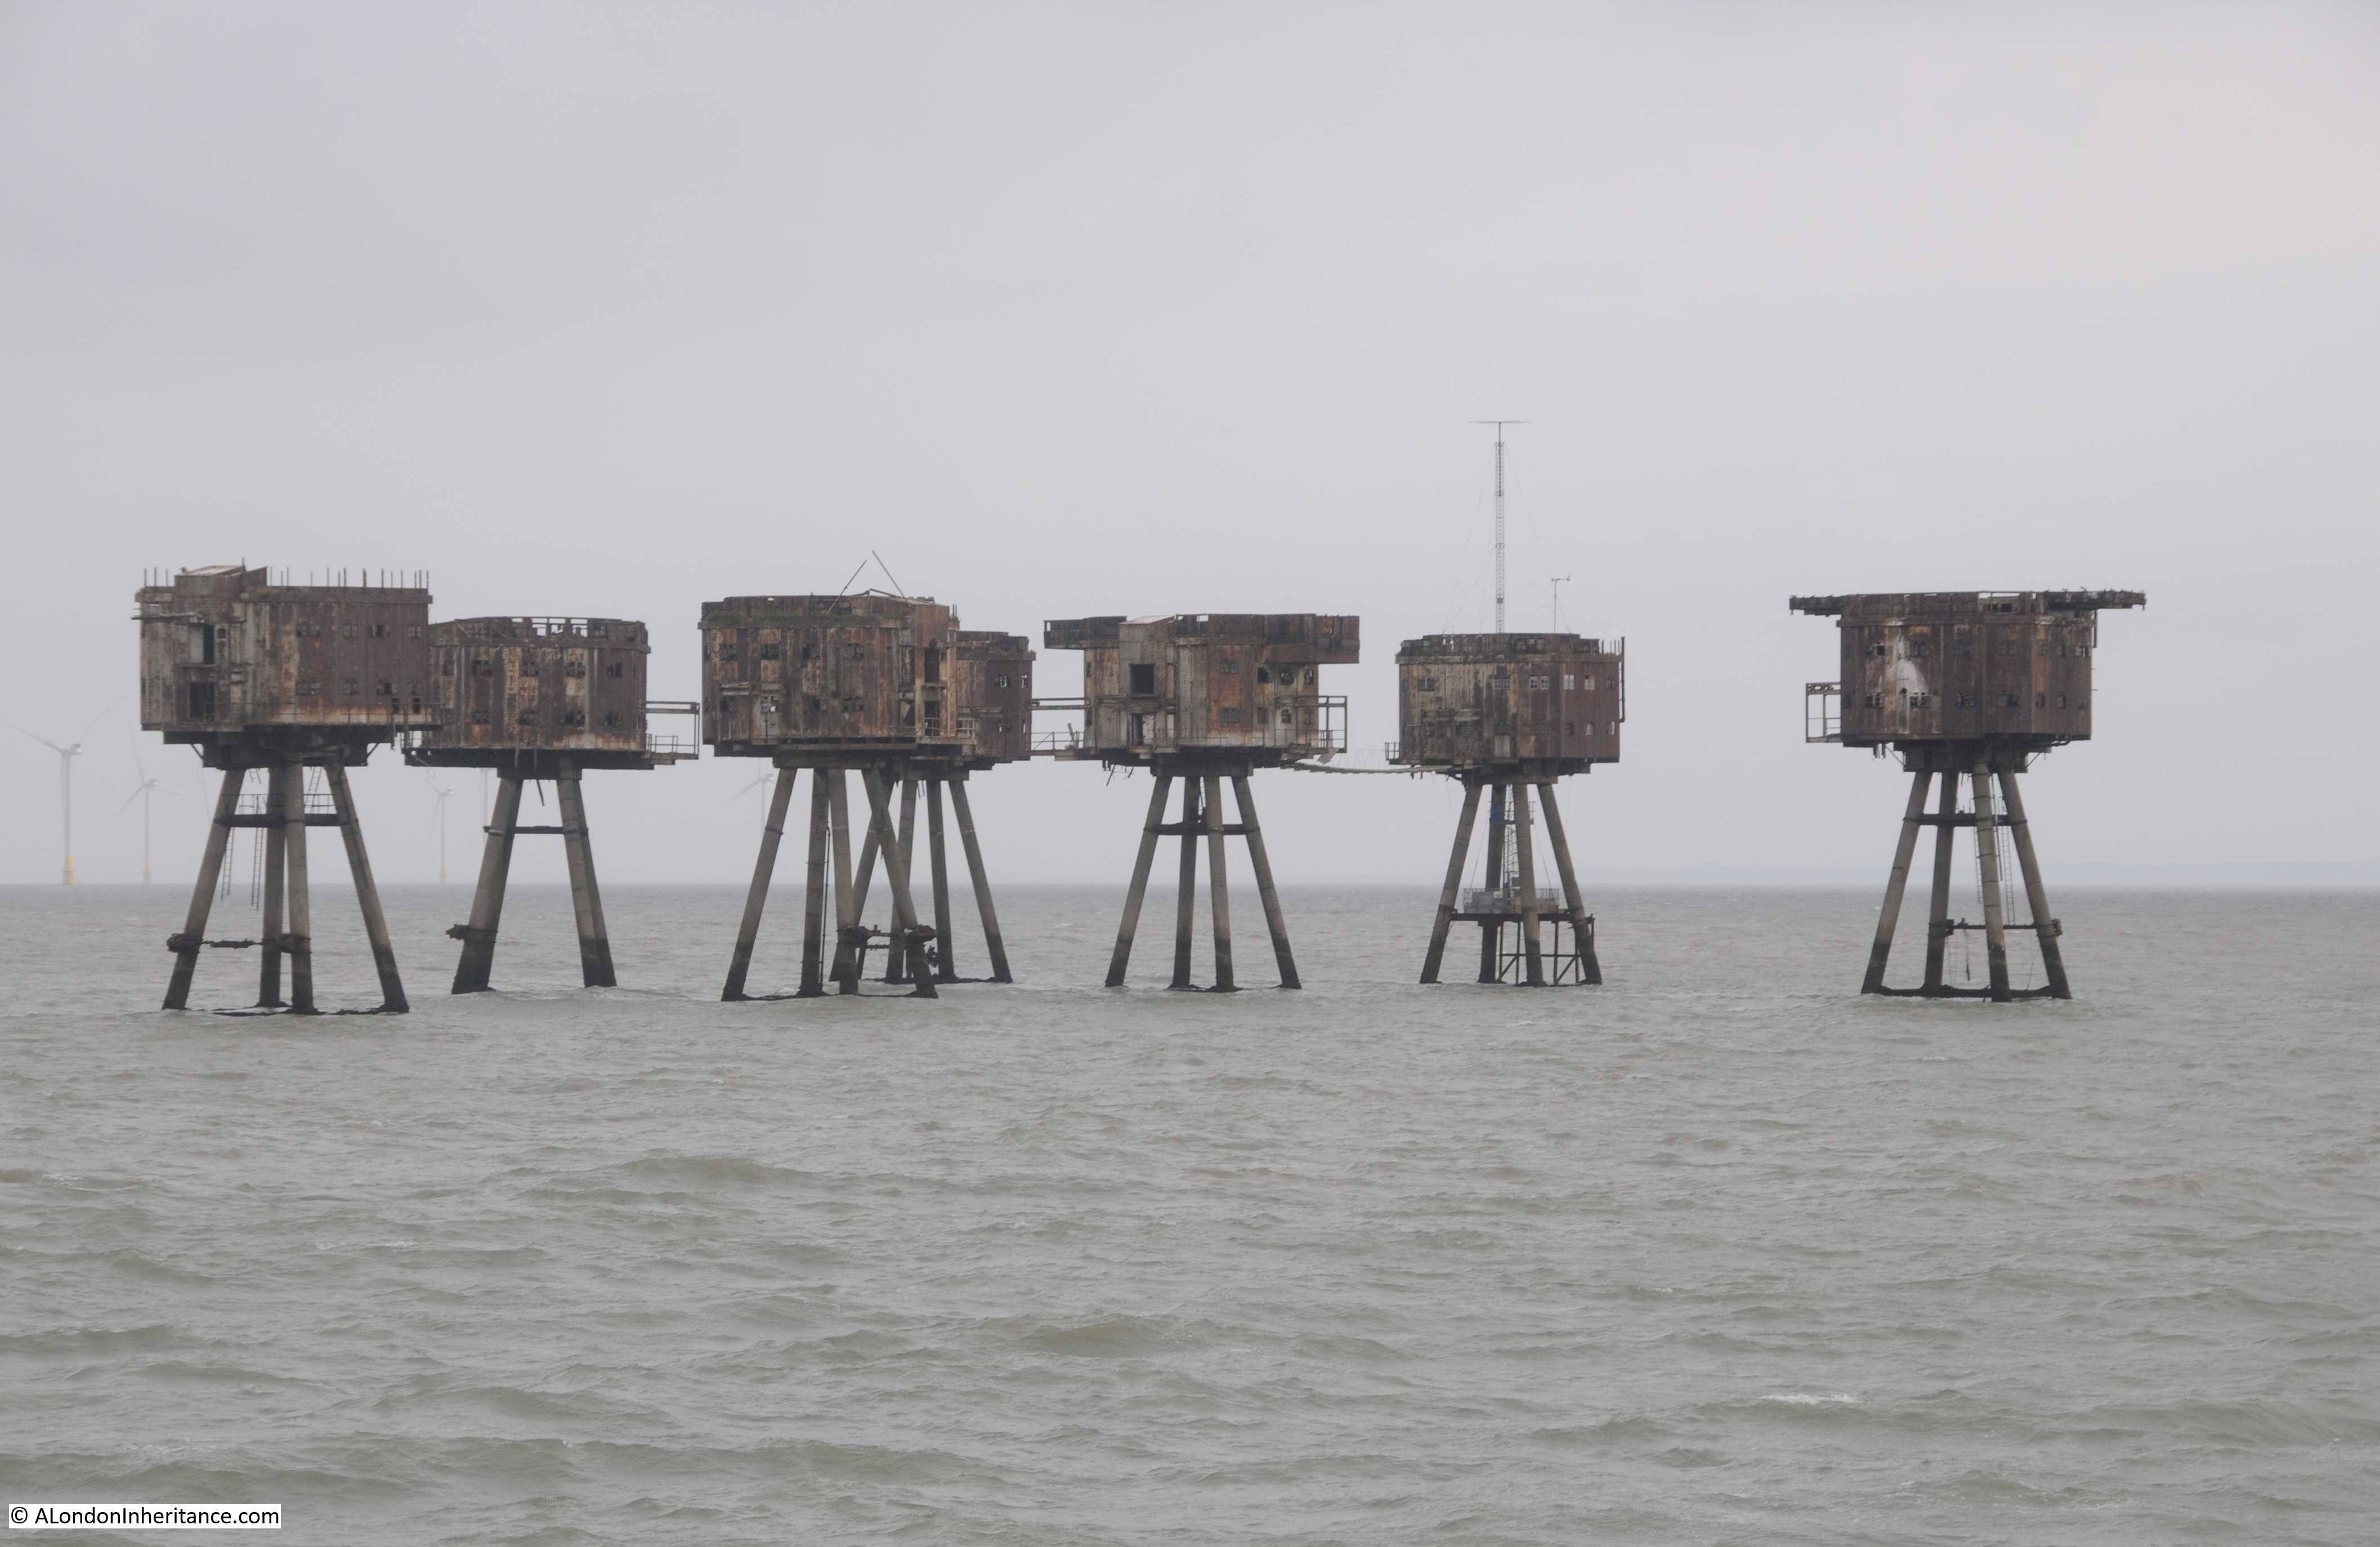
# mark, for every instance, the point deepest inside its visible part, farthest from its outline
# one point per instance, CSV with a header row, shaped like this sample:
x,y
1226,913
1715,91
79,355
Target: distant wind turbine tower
x,y
142,792
67,754
1500,424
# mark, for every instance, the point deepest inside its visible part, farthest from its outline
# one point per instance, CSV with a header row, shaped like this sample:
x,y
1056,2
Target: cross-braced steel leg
x,y
846,901
301,908
479,937
1266,894
1987,871
1582,928
277,867
2036,895
187,945
1186,904
1139,888
1911,824
1937,915
351,832
982,883
945,970
905,932
814,890
1447,894
1525,838
1219,891
756,900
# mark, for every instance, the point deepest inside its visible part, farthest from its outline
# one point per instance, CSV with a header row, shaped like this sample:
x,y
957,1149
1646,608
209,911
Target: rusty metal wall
x,y
1469,701
558,684
1967,665
224,652
1208,682
864,673
991,687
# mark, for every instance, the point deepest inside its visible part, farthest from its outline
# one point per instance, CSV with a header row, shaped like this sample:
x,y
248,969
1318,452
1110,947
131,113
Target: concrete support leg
x,y
814,890
1491,931
1987,869
945,970
905,932
1187,903
276,869
301,903
1582,929
1524,838
756,899
1261,863
586,897
479,937
351,834
846,901
1218,890
1894,888
186,945
1161,783
1453,890
896,961
2036,895
982,883
867,869
1937,913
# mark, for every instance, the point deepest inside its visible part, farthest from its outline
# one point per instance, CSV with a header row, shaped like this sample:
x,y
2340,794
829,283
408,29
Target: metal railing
x,y
1508,900
1822,711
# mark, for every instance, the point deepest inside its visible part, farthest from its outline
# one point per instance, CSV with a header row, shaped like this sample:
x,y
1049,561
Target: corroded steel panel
x,y
992,688
1967,665
225,652
861,674
1208,682
1476,701
502,685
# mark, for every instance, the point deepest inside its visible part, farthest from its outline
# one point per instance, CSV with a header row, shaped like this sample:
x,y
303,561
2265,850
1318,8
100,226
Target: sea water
x,y
1719,1252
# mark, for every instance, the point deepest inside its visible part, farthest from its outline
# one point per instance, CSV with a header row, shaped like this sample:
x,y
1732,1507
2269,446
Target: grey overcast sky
x,y
1137,309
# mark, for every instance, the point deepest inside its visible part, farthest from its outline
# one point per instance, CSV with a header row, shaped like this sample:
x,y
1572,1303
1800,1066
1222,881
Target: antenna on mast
x,y
1500,424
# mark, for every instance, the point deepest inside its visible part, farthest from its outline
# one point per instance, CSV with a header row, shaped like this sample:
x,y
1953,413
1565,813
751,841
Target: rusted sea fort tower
x,y
537,698
1506,714
289,679
1973,684
1204,697
888,685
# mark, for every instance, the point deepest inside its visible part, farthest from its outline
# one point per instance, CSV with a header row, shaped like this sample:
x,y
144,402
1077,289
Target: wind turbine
x,y
66,755
441,791
146,787
760,784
